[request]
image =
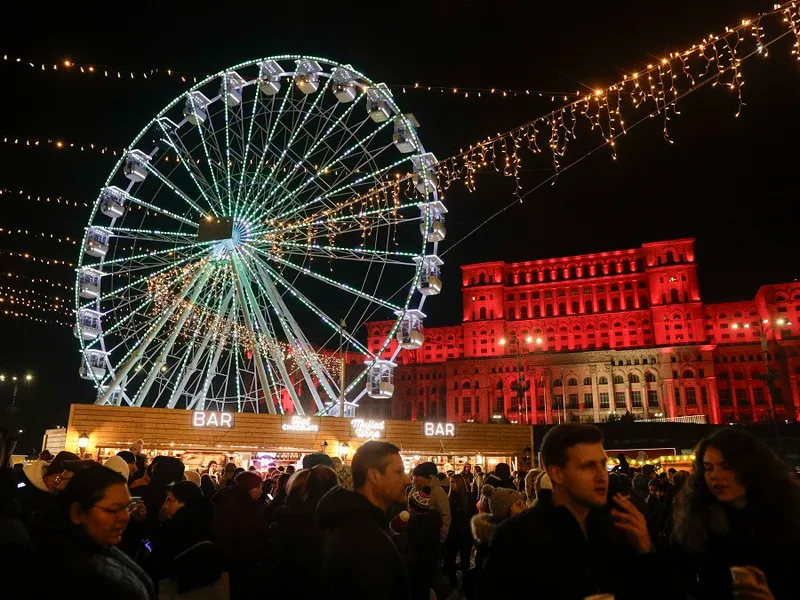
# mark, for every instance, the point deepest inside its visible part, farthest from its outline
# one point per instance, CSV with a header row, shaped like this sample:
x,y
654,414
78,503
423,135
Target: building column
x,y
547,389
749,383
713,400
594,298
629,396
595,394
795,395
670,397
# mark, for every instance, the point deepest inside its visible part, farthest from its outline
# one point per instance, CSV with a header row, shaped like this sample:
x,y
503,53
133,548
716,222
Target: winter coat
x,y
345,476
574,566
359,559
441,503
482,527
182,550
78,568
423,553
740,538
294,552
240,529
477,483
460,532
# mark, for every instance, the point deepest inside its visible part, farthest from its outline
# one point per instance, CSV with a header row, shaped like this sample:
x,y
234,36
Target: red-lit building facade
x,y
585,337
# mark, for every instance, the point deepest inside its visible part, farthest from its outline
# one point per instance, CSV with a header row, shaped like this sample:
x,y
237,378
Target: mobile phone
x,y
148,545
270,496
20,485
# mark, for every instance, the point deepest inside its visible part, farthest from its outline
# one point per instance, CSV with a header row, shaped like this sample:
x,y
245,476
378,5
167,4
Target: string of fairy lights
x,y
7,194
95,71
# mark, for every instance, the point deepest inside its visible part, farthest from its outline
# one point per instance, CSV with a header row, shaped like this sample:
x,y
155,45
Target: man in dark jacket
x,y
360,561
572,538
39,480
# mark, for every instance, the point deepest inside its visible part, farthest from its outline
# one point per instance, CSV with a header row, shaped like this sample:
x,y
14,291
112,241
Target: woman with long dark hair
x,y
737,520
459,537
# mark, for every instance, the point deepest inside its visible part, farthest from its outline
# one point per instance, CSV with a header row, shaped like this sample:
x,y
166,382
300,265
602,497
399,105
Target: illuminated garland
x,y
44,199
119,72
16,313
66,286
58,144
44,261
25,232
13,299
716,60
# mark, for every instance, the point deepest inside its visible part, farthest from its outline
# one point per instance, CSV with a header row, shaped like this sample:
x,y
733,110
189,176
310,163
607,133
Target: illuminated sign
x,y
201,418
364,429
301,425
440,429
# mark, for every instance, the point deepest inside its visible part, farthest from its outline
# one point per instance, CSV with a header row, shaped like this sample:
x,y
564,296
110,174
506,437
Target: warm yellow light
x,y
529,339
67,63
538,340
747,325
780,321
2,377
14,378
28,377
502,341
766,321
59,144
735,326
598,92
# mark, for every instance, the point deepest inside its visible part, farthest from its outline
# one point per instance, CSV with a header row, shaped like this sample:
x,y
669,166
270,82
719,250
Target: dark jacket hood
x,y
340,504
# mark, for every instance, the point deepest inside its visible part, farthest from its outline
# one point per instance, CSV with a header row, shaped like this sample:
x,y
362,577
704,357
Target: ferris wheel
x,y
246,236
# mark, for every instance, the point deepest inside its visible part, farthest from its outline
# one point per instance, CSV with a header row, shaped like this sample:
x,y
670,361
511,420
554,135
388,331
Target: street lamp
x,y
520,386
16,381
344,449
764,328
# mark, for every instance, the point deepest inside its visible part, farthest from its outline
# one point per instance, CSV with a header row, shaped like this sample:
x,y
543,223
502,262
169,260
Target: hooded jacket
x,y
359,559
441,502
482,527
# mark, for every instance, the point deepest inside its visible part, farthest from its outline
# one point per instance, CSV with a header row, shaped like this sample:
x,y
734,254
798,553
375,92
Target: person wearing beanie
x,y
543,489
426,474
118,464
240,529
130,460
421,548
137,447
577,525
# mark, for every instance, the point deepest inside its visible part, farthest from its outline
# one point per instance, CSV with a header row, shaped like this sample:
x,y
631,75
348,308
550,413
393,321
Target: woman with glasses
x,y
79,536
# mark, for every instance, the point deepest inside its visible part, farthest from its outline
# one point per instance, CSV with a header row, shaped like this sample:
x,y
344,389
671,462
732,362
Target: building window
x,y
724,398
619,399
618,379
633,378
691,396
650,377
540,405
558,401
636,399
587,381
604,400
588,401
572,382
741,397
556,383
758,395
573,401
652,398
603,381
677,396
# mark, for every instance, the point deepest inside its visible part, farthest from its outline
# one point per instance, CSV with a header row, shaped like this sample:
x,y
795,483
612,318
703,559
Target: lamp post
x,y
764,327
15,381
520,386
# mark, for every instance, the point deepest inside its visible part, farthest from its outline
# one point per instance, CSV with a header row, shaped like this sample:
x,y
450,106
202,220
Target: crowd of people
x,y
133,530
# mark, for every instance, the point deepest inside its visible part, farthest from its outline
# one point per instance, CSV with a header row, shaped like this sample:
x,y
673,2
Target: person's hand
x,y
750,583
633,523
139,511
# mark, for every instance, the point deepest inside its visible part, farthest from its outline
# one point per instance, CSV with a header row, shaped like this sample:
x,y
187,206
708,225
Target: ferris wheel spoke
x,y
327,167
191,368
158,209
248,143
189,164
139,397
154,253
209,160
178,192
245,300
336,329
152,235
342,286
137,352
341,253
292,131
198,402
273,121
296,338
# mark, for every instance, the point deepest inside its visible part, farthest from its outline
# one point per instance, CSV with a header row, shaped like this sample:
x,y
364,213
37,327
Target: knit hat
x,y
186,491
137,447
192,476
501,500
420,500
318,458
128,457
399,523
118,464
543,483
247,480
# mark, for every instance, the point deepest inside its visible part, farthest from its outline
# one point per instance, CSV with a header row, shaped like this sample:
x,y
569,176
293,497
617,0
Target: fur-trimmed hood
x,y
35,474
482,526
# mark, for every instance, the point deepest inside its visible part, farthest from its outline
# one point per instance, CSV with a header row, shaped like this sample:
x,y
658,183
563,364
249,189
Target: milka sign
x,y
201,418
440,429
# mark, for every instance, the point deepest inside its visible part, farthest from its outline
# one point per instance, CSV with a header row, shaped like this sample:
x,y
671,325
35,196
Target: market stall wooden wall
x,y
119,427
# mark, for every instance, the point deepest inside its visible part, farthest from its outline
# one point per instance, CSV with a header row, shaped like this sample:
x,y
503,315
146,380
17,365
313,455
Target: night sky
x,y
730,183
